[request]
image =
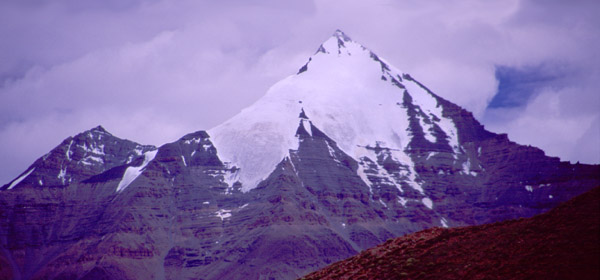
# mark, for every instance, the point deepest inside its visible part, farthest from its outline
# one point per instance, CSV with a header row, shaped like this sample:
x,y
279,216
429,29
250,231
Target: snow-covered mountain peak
x,y
337,44
341,49
349,93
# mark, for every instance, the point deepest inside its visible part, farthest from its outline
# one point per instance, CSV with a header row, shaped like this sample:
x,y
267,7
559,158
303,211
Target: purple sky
x,y
154,70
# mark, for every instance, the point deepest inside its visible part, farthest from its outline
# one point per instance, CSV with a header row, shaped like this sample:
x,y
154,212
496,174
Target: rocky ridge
x,y
79,157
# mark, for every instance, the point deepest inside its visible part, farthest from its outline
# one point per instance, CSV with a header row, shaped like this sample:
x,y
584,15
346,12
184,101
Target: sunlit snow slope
x,y
348,92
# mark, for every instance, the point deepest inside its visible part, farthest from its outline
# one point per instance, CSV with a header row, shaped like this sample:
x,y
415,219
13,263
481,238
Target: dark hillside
x,y
561,244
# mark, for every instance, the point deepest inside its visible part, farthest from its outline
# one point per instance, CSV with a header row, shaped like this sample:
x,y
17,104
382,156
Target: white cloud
x,y
545,124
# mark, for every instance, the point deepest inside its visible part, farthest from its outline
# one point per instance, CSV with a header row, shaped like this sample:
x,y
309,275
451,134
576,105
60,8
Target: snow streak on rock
x,y
132,172
18,180
433,110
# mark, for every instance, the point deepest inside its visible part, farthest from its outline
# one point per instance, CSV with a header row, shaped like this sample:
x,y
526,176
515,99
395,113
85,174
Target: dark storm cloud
x,y
153,70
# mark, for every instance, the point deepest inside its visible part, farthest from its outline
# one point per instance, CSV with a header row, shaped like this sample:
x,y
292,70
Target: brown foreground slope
x,y
563,243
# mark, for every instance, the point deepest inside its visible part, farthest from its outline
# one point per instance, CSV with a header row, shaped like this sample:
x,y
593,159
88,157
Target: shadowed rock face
x,y
561,244
100,207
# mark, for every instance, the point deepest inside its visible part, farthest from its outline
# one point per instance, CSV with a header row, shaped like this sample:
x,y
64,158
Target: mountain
x,y
561,244
77,158
335,159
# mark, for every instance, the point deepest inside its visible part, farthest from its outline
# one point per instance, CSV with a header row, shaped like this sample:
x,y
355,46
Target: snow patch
x,y
529,188
444,222
228,176
430,106
466,168
99,150
332,153
431,154
292,164
550,196
402,201
206,202
231,177
369,167
383,203
62,175
195,141
183,160
132,172
363,176
68,153
88,160
20,179
427,202
306,125
427,129
138,151
223,214
330,150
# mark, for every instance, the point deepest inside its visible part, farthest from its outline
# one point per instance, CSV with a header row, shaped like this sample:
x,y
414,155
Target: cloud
x,y
517,85
153,70
557,131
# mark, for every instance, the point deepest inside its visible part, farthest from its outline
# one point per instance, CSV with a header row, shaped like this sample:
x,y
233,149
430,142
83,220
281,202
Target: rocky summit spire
x,y
100,129
341,35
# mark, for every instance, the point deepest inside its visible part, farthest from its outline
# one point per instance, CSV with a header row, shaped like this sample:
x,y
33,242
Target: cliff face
x,y
334,160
